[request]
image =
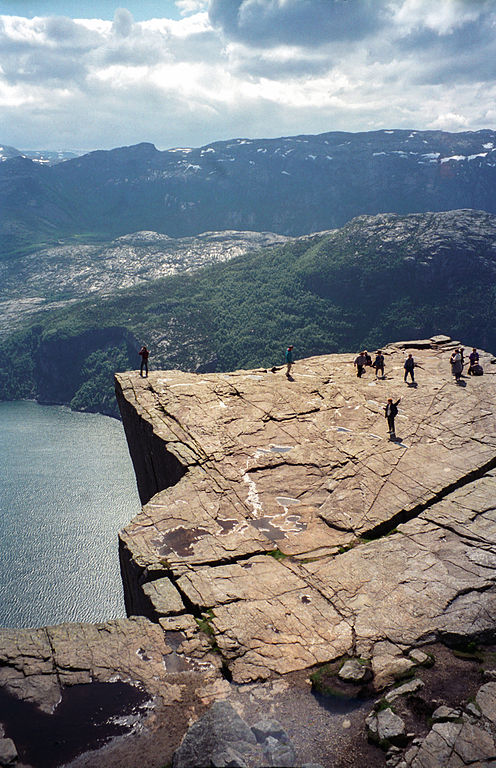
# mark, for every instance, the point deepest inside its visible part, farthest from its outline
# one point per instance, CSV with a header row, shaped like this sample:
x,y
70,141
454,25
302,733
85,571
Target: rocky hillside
x,y
292,185
379,277
51,278
305,590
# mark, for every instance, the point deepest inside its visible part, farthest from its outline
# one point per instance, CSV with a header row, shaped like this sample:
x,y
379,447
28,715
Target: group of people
x,y
457,362
364,359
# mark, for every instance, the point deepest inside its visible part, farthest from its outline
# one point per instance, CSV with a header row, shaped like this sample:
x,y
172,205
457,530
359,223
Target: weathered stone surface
x,y
303,469
453,745
353,671
269,727
446,713
8,751
164,597
386,726
389,664
131,650
418,656
277,754
403,690
218,730
486,701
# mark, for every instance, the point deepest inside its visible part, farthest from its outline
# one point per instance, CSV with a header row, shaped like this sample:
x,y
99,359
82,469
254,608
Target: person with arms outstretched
x,y
390,412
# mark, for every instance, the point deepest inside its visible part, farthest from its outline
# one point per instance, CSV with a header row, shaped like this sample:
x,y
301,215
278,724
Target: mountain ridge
x,y
289,185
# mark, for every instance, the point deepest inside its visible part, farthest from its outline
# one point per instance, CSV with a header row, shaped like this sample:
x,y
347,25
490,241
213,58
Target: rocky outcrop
x,y
301,528
283,531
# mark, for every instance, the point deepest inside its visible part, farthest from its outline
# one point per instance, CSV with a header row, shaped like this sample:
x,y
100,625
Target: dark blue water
x,y
66,488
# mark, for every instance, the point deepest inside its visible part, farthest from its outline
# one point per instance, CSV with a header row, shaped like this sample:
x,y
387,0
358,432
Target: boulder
x,y
220,735
486,701
354,671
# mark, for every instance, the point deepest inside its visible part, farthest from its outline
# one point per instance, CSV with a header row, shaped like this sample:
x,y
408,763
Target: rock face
x,y
301,529
282,529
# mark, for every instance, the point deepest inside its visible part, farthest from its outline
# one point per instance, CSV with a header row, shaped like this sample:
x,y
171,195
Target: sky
x,y
88,74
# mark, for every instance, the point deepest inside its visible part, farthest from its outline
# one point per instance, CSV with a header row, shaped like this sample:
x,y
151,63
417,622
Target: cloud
x,y
247,68
123,23
297,22
187,7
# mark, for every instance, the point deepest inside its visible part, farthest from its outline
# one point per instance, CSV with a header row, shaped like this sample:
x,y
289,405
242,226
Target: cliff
x,y
370,539
282,534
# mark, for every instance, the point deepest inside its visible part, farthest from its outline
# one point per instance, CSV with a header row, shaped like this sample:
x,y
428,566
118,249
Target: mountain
x,y
43,156
291,185
52,277
378,277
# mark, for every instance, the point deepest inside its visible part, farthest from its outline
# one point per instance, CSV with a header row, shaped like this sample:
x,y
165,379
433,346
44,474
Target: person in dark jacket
x,y
474,360
378,363
289,360
409,366
390,412
360,363
144,354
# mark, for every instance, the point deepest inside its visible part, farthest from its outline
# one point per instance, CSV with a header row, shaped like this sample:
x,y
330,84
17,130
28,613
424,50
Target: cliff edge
x,y
279,510
286,548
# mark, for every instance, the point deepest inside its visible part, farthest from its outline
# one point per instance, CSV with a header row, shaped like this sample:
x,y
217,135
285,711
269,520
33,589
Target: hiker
x,y
409,366
473,360
360,363
390,412
378,363
456,365
461,351
289,360
144,353
368,359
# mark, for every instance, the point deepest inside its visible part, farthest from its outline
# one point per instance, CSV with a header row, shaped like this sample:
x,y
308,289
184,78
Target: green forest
x,y
332,293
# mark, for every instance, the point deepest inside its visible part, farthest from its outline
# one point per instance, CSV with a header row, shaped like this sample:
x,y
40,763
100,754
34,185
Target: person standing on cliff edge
x,y
289,360
144,353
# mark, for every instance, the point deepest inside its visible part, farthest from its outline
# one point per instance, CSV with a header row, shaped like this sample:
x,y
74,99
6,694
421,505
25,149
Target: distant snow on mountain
x,y
43,157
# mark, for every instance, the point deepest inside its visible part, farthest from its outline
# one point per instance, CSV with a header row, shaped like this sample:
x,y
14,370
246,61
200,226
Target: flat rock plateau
x,y
283,533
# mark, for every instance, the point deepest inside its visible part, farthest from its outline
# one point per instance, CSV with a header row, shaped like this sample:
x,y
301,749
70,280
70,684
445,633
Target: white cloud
x,y
187,7
95,83
441,16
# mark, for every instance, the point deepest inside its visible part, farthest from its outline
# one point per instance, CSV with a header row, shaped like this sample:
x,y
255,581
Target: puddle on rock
x,y
174,663
340,705
87,717
179,541
264,524
227,525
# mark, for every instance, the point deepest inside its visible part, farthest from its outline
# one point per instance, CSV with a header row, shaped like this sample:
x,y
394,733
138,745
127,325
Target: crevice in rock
x,y
382,529
468,591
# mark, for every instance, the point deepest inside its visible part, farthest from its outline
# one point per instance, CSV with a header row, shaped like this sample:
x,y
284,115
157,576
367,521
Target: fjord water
x,y
66,488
